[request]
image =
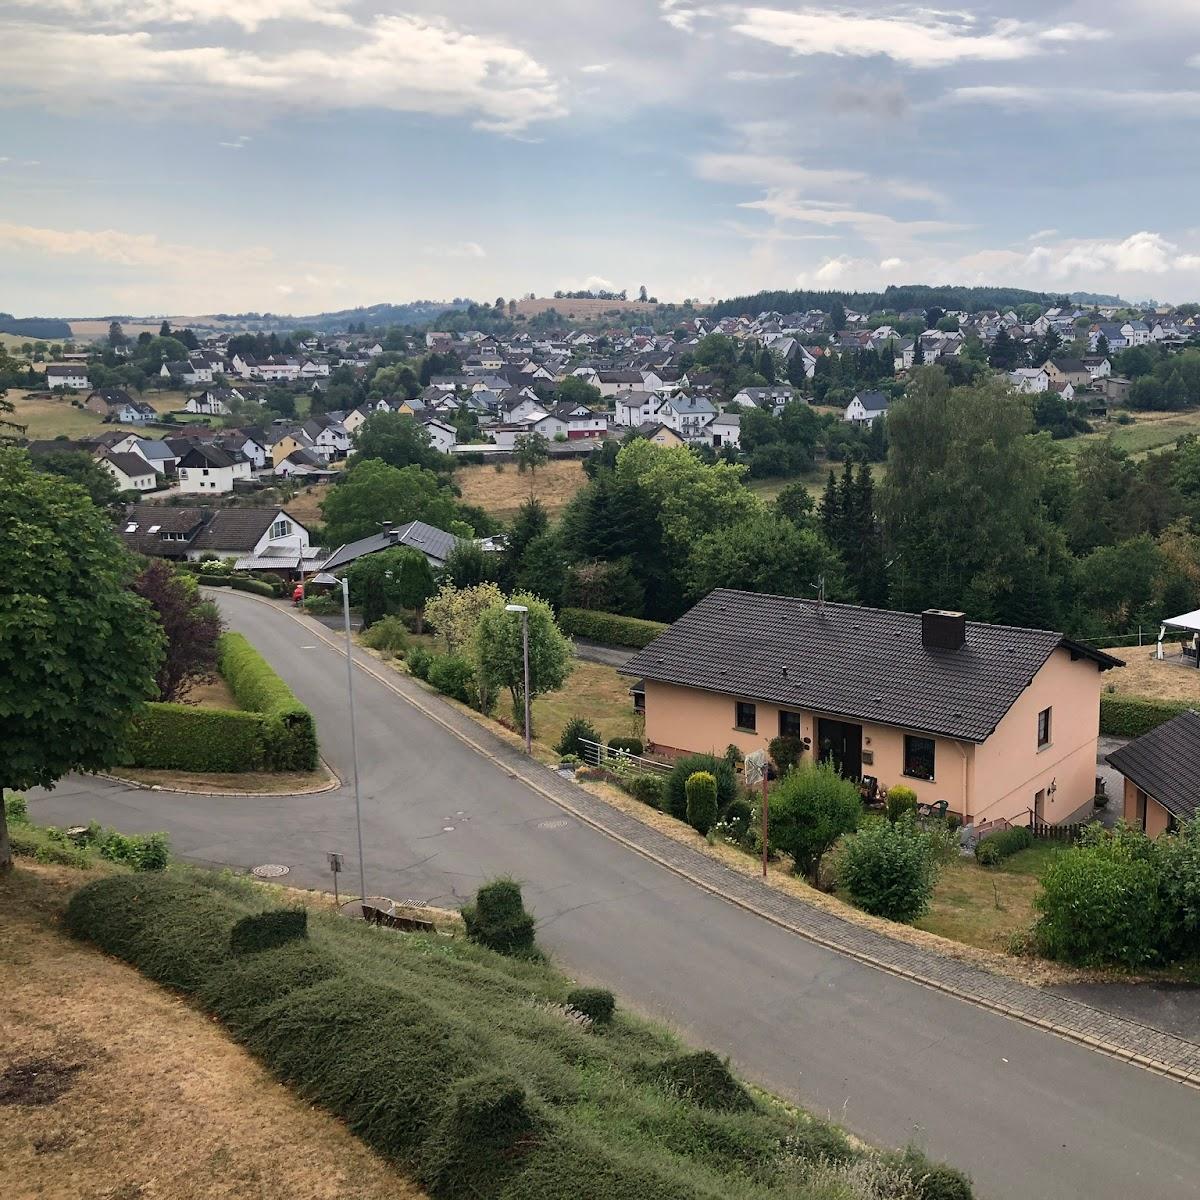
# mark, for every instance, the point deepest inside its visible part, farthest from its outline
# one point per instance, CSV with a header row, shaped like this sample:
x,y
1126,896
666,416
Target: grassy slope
x,y
1150,431
605,1122
502,492
46,419
165,1104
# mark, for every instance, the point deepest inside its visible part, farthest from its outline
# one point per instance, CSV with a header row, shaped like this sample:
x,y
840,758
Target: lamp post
x,y
325,579
524,611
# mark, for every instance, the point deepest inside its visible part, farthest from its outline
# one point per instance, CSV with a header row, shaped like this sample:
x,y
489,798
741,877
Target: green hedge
x,y
609,628
181,737
243,583
1131,716
289,732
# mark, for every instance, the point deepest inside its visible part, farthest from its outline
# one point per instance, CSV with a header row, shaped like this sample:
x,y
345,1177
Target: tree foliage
x,y
374,495
191,626
499,653
809,809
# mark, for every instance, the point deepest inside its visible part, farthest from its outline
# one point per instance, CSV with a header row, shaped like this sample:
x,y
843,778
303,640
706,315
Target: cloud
x,y
402,63
458,250
248,15
921,38
239,143
767,170
1182,104
890,264
597,68
873,226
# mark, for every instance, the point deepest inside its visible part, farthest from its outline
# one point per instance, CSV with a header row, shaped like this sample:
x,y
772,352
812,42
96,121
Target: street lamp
x,y
327,580
524,611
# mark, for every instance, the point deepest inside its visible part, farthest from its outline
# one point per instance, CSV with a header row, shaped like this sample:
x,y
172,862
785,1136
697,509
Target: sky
x,y
296,156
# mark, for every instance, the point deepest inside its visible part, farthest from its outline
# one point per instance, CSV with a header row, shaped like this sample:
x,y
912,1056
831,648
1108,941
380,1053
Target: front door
x,y
1039,805
840,743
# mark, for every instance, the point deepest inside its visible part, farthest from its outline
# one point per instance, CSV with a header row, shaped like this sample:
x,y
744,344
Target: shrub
x,y
705,1080
609,628
182,737
675,788
627,745
1002,844
1099,904
701,790
289,733
16,809
242,583
735,824
576,731
454,675
481,1140
149,852
498,919
324,605
597,1003
1179,869
810,808
1131,716
418,661
889,869
47,845
647,788
930,1180
388,635
786,752
265,931
733,756
900,800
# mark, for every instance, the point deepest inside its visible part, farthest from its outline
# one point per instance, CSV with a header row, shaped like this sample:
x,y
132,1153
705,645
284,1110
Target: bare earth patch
x,y
165,1106
265,783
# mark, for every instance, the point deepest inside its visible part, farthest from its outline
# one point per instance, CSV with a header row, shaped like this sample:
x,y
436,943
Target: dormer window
x,y
281,528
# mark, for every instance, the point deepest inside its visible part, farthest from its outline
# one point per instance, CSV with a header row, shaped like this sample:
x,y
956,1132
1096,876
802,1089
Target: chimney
x,y
393,535
943,630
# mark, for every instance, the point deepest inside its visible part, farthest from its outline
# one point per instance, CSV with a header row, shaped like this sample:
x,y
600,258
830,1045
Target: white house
x,y
442,435
865,407
725,429
131,471
152,451
687,415
1029,380
211,471
771,399
635,408
1135,333
258,538
213,403
581,421
67,375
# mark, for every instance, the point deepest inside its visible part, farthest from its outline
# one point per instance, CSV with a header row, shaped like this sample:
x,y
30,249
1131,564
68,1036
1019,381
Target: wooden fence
x,y
1057,833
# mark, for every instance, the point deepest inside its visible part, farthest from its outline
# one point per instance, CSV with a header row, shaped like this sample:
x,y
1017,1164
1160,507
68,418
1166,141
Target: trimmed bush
x,y
243,583
701,790
597,1003
1131,716
649,789
454,675
786,752
889,869
480,1142
289,733
324,605
609,628
675,788
142,852
265,931
706,1080
576,731
1002,844
810,808
388,635
182,737
627,745
419,660
498,919
900,800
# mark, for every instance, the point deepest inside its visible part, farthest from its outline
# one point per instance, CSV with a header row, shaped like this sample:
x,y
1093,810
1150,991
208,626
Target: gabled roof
x,y
436,544
873,401
868,664
1165,763
210,456
130,464
238,528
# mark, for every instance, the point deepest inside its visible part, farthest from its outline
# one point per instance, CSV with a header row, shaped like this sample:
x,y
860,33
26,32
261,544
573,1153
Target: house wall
x,y
687,720
1157,818
1009,767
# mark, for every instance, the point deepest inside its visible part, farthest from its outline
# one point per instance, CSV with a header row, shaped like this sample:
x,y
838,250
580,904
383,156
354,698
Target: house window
x,y
745,715
281,528
918,757
789,724
1044,728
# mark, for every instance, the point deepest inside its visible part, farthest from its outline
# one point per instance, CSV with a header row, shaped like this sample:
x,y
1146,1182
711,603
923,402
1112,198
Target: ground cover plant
x,y
481,1074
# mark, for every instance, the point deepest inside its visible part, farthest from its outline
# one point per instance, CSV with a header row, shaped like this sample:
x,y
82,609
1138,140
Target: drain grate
x,y
270,871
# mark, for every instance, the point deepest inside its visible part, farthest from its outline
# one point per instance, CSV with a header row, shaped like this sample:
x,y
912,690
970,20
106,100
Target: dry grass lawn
x,y
305,506
47,419
501,490
582,310
141,1096
1144,675
594,691
212,693
260,783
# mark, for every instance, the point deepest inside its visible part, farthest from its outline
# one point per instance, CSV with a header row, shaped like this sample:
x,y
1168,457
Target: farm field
x,y
814,480
501,491
1149,431
581,310
58,417
137,1093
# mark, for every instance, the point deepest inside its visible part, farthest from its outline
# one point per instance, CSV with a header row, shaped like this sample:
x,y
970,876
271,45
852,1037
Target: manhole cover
x,y
270,871
555,823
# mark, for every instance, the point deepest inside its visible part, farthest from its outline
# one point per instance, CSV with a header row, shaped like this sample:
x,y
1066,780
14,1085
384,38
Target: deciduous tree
x,y
191,626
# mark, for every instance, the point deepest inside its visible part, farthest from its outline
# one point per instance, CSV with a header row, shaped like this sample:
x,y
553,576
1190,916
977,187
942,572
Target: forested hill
x,y
891,299
34,327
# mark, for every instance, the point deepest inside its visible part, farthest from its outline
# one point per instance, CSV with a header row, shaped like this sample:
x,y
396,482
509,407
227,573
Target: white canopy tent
x,y
1188,623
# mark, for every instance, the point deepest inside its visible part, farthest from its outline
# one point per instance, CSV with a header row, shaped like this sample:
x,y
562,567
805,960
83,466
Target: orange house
x,y
1162,787
998,721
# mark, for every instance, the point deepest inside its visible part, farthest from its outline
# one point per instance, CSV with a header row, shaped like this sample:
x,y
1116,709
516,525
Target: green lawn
x,y
986,906
814,480
1150,431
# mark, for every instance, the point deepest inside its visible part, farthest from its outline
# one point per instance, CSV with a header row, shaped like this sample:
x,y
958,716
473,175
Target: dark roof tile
x,y
1164,762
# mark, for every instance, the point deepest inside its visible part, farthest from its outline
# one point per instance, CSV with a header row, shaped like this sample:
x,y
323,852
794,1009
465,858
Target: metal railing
x,y
597,754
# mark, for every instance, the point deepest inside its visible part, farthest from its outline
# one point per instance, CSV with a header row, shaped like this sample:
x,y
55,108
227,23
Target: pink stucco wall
x,y
998,778
1157,817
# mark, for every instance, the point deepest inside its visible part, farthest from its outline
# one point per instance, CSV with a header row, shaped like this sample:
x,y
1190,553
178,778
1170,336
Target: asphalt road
x,y
1028,1114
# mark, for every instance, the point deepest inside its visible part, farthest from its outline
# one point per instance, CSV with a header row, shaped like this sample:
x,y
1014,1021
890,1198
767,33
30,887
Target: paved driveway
x,y
1027,1113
